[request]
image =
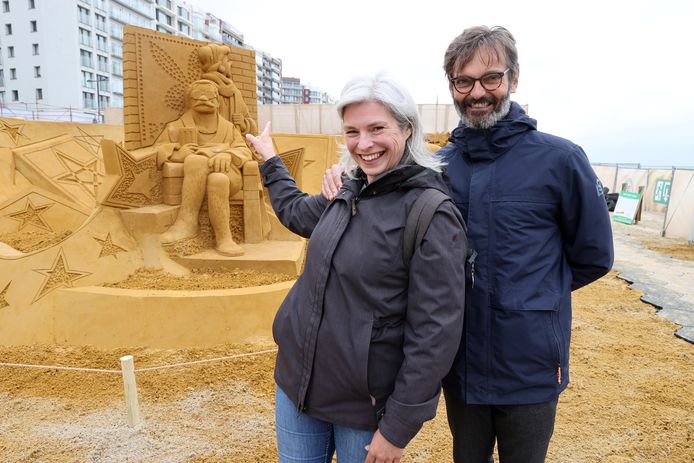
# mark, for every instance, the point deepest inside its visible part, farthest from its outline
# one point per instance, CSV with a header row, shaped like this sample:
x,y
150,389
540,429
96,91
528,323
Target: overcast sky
x,y
614,76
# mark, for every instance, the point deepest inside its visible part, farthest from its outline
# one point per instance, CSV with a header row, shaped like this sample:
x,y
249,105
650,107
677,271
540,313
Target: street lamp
x,y
99,78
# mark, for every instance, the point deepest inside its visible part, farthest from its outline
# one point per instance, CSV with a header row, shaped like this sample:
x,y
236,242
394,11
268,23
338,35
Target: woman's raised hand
x,y
263,143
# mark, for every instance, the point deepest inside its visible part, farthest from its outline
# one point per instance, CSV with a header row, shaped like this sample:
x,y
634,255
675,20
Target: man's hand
x,y
220,162
382,451
263,143
332,182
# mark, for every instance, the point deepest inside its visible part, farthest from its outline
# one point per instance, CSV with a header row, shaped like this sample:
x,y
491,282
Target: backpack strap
x,y
419,218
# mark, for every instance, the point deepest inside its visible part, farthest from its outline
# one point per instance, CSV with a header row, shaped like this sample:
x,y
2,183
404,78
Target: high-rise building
x,y
294,92
268,78
69,53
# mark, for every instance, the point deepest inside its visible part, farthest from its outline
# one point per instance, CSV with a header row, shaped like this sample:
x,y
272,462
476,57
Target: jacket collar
x,y
489,144
403,176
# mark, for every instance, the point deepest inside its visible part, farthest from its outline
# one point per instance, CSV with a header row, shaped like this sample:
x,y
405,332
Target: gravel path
x,y
666,282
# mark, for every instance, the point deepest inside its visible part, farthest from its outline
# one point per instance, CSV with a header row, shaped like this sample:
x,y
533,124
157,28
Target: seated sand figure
x,y
213,152
215,61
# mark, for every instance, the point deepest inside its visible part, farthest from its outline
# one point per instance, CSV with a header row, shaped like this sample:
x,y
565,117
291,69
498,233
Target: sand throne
x,y
248,198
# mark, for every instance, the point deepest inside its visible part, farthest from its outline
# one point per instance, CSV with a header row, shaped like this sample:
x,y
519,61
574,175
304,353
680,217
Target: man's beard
x,y
501,109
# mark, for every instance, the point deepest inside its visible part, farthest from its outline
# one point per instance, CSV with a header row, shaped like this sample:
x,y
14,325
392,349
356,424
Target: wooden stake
x,y
128,368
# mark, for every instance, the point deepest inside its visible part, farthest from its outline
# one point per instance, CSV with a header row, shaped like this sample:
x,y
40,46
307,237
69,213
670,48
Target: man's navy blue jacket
x,y
538,220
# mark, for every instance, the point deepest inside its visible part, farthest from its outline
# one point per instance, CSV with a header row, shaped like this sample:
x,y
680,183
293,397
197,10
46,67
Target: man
x,y
212,151
540,229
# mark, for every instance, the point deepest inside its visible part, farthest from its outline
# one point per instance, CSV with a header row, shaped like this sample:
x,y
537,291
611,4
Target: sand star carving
x,y
136,185
12,131
108,248
58,276
142,184
83,173
3,301
31,215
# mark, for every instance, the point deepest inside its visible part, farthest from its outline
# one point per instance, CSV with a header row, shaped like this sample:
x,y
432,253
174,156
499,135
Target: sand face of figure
x,y
213,152
215,61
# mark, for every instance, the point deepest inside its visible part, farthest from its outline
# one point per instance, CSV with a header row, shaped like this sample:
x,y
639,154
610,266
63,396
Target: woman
x,y
365,337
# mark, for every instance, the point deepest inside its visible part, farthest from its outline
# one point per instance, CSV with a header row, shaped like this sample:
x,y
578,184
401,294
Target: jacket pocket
x,y
526,340
385,356
526,298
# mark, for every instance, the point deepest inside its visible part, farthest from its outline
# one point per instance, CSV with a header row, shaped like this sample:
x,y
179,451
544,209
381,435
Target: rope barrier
x,y
57,367
161,367
195,362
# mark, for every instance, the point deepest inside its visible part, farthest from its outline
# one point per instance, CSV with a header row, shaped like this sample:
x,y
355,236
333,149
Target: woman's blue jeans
x,y
301,438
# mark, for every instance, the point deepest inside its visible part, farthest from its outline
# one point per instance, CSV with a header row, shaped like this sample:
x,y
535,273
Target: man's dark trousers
x,y
522,431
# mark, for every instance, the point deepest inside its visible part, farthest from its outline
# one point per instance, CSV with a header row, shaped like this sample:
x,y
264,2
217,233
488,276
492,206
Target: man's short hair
x,y
497,41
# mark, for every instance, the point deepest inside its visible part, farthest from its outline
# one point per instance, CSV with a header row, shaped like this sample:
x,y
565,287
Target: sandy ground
x,y
631,397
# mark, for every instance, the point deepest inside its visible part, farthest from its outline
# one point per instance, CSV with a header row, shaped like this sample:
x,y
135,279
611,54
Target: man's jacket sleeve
x,y
585,222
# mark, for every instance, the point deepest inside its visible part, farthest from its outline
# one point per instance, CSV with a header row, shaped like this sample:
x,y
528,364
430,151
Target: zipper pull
x,y
471,261
354,207
559,374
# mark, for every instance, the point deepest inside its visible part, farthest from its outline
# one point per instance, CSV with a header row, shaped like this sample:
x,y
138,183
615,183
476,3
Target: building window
x,y
103,82
101,43
15,95
39,94
13,74
32,26
86,58
2,78
103,101
116,48
2,96
34,49
164,18
85,37
183,13
37,71
10,51
103,63
100,22
83,15
88,100
87,79
8,29
6,6
32,5
183,27
116,67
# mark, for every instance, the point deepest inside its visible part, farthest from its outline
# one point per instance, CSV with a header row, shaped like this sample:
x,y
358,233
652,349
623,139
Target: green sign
x,y
626,207
661,192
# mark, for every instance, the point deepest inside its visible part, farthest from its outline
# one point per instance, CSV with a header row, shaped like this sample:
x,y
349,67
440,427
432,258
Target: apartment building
x,y
67,54
268,77
294,92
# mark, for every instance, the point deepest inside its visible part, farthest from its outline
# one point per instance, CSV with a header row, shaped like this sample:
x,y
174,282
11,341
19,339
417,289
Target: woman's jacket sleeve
x,y
297,211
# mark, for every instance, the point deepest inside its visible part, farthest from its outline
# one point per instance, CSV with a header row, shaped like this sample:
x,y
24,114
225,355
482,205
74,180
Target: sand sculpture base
x,y
113,317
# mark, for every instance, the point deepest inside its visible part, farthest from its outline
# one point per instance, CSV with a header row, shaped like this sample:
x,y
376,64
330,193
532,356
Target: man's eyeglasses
x,y
489,82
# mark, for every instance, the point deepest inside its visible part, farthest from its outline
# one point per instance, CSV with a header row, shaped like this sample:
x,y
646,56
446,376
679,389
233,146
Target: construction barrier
x,y
667,190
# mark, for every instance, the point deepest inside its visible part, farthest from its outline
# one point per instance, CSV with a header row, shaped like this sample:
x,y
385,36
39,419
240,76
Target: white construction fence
x,y
665,189
323,119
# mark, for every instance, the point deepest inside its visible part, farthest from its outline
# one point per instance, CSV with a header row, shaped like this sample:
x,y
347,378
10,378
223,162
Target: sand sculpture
x,y
175,188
